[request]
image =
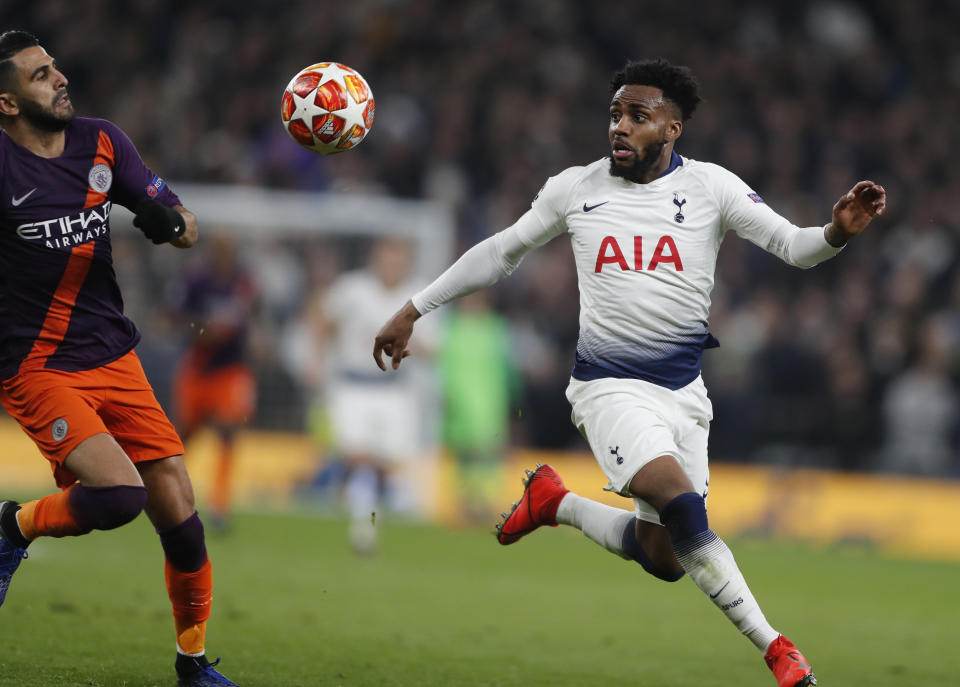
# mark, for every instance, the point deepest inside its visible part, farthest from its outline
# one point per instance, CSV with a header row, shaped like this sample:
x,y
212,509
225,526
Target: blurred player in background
x,y
375,427
70,375
213,385
477,380
646,225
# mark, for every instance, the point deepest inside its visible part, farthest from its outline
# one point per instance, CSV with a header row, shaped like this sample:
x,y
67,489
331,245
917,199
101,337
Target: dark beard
x,y
647,159
44,119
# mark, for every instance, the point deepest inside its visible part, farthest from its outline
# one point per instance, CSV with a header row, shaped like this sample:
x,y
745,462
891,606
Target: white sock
x,y
361,493
599,522
712,567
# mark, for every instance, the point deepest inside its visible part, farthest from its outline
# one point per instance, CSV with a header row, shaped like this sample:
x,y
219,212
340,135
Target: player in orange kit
x,y
69,374
213,385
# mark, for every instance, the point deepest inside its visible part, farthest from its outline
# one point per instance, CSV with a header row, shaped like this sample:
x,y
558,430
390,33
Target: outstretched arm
x,y
393,336
853,212
483,265
802,247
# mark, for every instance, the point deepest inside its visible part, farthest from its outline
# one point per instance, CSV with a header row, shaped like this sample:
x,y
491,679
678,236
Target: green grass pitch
x,y
451,608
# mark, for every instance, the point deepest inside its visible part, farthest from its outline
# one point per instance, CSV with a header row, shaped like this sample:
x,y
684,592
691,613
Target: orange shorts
x,y
58,410
226,395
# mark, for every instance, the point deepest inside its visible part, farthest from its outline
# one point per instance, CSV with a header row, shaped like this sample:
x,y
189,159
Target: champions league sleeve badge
x,y
154,187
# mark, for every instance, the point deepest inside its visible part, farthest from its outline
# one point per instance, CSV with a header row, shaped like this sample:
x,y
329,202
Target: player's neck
x,y
659,167
48,144
646,170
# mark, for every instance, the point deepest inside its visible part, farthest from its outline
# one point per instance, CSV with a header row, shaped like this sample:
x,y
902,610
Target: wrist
x,y
179,223
835,236
160,223
410,312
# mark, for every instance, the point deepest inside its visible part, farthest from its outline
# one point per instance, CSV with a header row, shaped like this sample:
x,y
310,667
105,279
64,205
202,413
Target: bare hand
x,y
854,210
393,336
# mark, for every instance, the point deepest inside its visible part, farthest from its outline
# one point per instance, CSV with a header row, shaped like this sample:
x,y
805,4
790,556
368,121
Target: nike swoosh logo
x,y
588,208
714,596
16,201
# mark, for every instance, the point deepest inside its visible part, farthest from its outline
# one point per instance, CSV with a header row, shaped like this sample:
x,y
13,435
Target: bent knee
x,y
106,508
663,569
650,546
672,575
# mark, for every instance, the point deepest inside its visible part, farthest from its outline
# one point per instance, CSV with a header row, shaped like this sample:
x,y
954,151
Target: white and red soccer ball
x,y
327,108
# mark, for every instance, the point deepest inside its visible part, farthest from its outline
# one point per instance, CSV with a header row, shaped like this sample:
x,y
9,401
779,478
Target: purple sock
x,y
184,544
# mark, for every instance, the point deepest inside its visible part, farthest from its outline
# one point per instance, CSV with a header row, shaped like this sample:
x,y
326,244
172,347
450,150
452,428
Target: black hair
x,y
12,42
677,82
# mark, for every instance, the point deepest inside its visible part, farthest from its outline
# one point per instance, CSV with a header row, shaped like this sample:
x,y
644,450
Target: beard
x,y
642,164
46,118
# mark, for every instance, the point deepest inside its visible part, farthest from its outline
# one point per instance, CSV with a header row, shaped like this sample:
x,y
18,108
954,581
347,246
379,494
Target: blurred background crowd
x,y
855,365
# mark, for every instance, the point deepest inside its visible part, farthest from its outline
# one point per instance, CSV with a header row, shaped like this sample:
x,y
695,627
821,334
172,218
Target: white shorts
x,y
629,422
381,421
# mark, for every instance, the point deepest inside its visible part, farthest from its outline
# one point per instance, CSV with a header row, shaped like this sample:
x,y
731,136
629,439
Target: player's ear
x,y
8,105
674,129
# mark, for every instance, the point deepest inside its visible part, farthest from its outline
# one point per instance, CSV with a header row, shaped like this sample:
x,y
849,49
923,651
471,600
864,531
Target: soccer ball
x,y
327,108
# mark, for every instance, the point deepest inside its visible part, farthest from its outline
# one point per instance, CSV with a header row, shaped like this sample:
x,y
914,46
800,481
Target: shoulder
x,y
710,173
703,170
91,127
94,127
559,187
87,133
596,171
566,178
94,124
719,181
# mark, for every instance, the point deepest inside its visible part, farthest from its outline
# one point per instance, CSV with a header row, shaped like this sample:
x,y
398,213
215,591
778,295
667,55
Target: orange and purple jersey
x,y
60,304
220,307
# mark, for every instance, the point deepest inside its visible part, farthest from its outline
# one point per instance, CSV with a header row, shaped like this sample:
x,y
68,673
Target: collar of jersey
x,y
675,161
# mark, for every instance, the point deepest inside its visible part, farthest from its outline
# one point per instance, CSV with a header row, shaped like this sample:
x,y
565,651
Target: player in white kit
x,y
646,225
374,426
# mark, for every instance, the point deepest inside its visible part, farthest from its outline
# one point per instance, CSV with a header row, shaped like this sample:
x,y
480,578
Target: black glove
x,y
159,223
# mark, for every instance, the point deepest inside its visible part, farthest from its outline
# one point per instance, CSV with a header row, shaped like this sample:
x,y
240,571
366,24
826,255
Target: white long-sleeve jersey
x,y
645,255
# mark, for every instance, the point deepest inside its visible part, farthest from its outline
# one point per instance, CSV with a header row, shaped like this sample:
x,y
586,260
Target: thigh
x,y
396,428
187,390
352,419
100,462
693,452
659,482
133,415
629,424
229,395
624,425
692,415
170,498
58,411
